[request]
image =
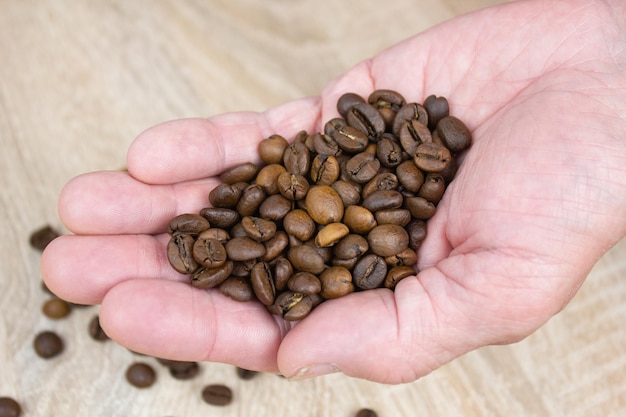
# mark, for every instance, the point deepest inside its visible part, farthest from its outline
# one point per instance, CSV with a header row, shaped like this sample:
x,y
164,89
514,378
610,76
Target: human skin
x,y
538,199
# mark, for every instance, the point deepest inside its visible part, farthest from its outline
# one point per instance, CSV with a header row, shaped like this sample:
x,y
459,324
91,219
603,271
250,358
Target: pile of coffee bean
x,y
328,214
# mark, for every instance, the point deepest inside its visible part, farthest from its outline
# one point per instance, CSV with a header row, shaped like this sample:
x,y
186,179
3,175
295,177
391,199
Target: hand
x,y
539,198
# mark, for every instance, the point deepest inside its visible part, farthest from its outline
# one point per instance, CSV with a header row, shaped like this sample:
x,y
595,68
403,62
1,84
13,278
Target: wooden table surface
x,y
78,81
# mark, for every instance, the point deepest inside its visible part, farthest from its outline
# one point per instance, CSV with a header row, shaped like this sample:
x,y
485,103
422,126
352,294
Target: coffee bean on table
x,y
95,330
9,407
246,374
41,237
217,394
56,308
181,370
48,344
366,412
140,375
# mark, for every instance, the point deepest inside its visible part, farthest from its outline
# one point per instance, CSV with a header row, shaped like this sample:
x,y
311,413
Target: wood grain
x,y
79,80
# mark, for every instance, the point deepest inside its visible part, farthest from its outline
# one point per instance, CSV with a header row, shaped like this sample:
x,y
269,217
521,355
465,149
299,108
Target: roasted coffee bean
x,y
217,394
240,173
369,272
191,224
275,207
366,412
41,237
437,108
243,268
238,231
359,219
382,181
348,193
237,288
56,308
48,344
419,207
324,204
417,233
346,263
272,149
258,229
324,169
244,249
408,112
432,157
180,253
349,139
388,239
305,283
331,234
220,217
205,278
263,283
298,223
412,134
246,374
141,375
9,407
325,252
297,159
389,152
400,217
454,134
396,274
305,258
362,167
382,200
95,330
387,102
351,246
367,119
324,144
267,178
250,200
410,176
182,370
336,281
282,271
225,195
433,188
275,246
292,186
406,257
346,101
292,306
209,252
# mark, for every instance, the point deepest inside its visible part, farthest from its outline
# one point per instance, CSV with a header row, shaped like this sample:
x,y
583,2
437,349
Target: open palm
x,y
539,197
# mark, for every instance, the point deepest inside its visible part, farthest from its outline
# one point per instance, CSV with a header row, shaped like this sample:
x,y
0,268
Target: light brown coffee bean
x,y
299,224
351,246
258,229
180,253
191,224
305,258
211,277
263,283
272,149
359,219
267,178
406,257
209,253
292,186
324,169
324,204
336,281
396,274
275,246
388,239
216,233
56,308
244,249
240,173
331,234
420,208
304,283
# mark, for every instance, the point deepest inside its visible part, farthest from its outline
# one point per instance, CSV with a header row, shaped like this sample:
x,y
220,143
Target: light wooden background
x,y
78,80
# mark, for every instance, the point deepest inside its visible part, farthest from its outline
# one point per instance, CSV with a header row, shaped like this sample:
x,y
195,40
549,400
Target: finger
x,y
189,149
172,320
82,269
113,202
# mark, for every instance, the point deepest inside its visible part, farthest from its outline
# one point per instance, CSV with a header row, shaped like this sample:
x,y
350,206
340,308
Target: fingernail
x,y
314,370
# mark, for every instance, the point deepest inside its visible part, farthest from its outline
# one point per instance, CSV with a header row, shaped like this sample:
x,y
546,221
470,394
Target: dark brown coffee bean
x,y
325,252
348,193
410,176
267,178
182,370
244,249
55,308
282,271
241,173
237,288
362,167
297,159
396,274
9,407
141,375
275,246
217,394
246,374
351,246
180,253
95,330
324,204
367,119
331,234
305,283
299,224
346,263
191,224
388,239
432,157
292,186
205,278
324,144
382,181
454,134
305,258
220,217
408,112
336,282
225,196
346,101
406,257
250,200
389,152
334,124
209,252
263,283
366,412
387,102
417,233
420,208
412,134
292,306
437,108
369,272
433,188
349,139
41,237
271,149
400,217
359,219
258,229
275,207
383,199
48,344
324,169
